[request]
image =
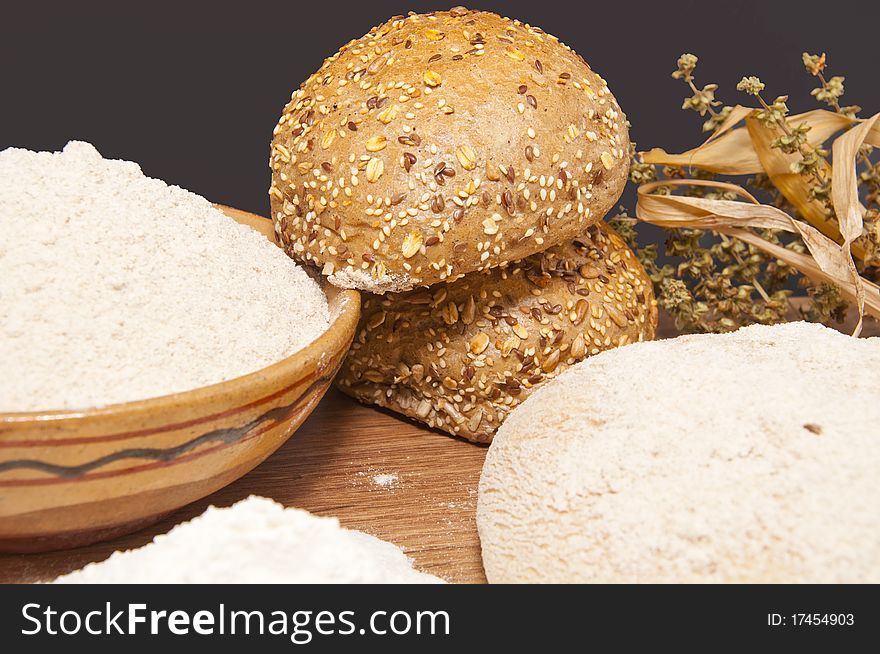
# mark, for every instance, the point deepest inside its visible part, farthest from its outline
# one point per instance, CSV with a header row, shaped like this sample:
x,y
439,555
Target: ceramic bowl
x,y
69,478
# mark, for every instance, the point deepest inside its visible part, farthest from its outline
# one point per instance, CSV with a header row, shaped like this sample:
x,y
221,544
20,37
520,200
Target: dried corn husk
x,y
732,152
747,150
778,167
845,195
828,261
808,266
736,114
844,184
676,211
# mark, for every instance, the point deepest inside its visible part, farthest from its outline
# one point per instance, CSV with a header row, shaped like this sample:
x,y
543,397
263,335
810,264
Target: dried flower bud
x,y
830,91
702,101
751,85
814,64
686,65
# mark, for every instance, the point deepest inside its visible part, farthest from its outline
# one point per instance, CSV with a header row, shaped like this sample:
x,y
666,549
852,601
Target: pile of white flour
x,y
116,287
257,541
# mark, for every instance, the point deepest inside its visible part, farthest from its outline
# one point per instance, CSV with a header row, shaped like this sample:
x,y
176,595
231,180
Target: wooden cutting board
x,y
375,471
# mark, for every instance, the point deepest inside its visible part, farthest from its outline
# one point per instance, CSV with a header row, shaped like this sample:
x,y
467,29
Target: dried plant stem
x,y
819,192
829,261
835,104
804,149
755,283
690,83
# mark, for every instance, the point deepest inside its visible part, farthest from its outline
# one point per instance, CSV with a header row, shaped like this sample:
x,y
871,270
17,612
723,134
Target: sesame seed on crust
x,y
459,356
483,110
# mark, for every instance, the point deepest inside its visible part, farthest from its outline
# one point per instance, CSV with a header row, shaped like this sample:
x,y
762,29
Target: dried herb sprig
x,y
716,284
720,282
829,92
793,140
703,100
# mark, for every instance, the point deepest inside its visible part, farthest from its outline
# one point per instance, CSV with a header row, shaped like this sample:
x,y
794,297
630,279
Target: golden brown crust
x,y
440,144
461,355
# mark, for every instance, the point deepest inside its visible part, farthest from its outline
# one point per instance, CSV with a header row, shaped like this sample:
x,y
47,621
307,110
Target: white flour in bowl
x,y
116,287
257,541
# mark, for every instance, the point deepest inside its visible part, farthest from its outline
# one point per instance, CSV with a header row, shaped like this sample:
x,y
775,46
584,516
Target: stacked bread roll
x,y
456,167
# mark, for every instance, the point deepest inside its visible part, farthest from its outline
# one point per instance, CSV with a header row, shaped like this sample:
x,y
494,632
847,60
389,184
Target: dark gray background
x,y
192,90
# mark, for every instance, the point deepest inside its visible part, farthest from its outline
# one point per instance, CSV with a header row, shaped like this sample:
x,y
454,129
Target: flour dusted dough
x,y
257,541
746,457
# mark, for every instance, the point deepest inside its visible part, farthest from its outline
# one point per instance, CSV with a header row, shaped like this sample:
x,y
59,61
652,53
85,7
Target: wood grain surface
x,y
373,470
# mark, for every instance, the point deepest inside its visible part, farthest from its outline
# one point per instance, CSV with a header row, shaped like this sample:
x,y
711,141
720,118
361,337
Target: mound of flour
x,y
744,457
257,541
115,286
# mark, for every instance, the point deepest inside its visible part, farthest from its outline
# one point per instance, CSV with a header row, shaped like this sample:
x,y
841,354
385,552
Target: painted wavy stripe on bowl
x,y
47,503
102,444
124,435
70,478
222,437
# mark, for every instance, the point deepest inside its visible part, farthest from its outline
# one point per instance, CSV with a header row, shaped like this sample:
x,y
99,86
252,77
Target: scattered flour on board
x,y
257,541
119,287
377,479
385,479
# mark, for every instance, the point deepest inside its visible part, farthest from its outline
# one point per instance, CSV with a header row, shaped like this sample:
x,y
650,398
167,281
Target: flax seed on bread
x,y
461,355
441,144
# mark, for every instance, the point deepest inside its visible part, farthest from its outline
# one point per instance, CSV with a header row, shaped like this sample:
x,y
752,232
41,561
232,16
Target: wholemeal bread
x,y
460,355
749,457
441,144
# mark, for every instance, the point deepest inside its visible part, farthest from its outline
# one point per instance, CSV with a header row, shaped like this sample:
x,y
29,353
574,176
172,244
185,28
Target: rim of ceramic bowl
x,y
344,308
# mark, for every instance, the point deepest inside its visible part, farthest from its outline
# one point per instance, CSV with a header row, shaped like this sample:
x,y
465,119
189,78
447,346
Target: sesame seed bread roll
x,y
461,355
441,144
